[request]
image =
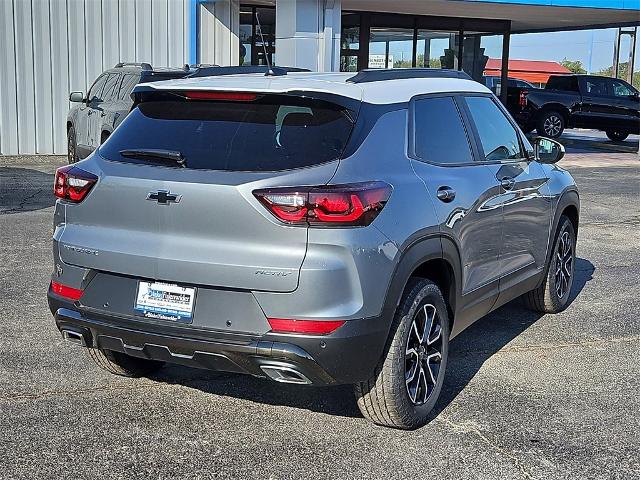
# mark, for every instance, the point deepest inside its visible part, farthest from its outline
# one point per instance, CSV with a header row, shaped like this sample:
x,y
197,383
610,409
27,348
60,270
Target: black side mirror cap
x,y
548,150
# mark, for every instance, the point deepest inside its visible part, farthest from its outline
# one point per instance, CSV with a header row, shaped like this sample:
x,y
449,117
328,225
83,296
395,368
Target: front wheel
x,y
406,383
72,146
550,124
552,296
617,135
122,364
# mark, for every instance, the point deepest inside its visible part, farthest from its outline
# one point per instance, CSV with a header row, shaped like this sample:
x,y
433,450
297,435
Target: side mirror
x,y
76,97
547,150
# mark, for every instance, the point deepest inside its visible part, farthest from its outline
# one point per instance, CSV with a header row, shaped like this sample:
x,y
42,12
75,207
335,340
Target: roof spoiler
x,y
379,75
215,71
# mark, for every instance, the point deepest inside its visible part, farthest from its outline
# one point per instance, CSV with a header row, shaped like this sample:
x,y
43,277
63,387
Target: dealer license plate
x,y
165,301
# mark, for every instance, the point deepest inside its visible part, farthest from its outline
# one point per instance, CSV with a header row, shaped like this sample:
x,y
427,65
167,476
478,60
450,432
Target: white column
x,y
308,34
219,27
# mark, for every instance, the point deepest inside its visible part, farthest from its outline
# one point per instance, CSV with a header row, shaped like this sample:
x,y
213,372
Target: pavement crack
x,y
74,392
469,428
22,203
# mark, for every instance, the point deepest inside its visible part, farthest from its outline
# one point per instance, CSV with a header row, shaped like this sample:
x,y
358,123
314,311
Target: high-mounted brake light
x,y
355,205
522,100
66,292
73,183
230,96
309,327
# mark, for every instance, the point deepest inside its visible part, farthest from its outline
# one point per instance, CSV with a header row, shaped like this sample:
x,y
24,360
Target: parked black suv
x,y
578,101
108,102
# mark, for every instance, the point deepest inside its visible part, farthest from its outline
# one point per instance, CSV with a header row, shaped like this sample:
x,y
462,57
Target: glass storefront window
x,y
435,49
390,47
350,38
251,46
349,63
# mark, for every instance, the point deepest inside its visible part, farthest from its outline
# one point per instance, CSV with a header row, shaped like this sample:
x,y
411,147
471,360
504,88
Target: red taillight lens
x,y
522,100
66,292
309,327
230,96
332,205
73,184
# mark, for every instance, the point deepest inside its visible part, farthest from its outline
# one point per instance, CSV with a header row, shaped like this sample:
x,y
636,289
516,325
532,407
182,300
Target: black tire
x,y
103,137
617,135
122,364
384,398
550,124
72,150
552,296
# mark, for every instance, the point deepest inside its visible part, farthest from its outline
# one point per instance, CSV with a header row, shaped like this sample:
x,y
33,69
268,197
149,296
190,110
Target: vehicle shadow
x,y
25,190
467,354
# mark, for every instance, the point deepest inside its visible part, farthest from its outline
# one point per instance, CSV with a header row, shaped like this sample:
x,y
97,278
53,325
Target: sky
x,y
594,48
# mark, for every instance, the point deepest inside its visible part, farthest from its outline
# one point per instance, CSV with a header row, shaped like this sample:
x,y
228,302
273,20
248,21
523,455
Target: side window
x,y
621,90
439,135
95,91
126,87
499,138
110,87
597,87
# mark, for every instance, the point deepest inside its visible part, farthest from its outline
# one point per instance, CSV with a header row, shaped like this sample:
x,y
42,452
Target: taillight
x,y
522,100
309,327
354,205
73,183
66,292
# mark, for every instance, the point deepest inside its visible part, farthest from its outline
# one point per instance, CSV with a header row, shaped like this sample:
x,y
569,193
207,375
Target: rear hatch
x,y
174,198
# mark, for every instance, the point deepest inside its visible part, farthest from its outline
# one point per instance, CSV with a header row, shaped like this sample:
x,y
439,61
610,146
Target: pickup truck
x,y
577,101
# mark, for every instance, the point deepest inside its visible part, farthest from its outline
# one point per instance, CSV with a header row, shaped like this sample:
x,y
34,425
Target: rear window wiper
x,y
156,154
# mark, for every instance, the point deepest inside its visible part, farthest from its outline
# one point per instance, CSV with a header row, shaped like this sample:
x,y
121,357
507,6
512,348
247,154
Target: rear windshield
x,y
569,84
263,135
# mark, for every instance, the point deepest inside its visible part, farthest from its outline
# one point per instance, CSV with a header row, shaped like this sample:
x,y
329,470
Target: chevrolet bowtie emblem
x,y
164,197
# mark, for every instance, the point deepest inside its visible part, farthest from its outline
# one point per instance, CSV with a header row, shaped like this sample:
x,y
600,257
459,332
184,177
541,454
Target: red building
x,y
533,71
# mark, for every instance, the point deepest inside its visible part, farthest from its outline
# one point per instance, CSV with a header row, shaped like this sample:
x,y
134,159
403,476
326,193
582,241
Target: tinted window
x,y
498,137
264,135
126,86
598,87
621,89
438,132
109,92
96,89
562,83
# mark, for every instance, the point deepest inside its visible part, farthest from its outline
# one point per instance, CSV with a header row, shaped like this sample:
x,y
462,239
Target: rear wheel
x,y
617,135
122,364
550,124
407,382
553,295
72,153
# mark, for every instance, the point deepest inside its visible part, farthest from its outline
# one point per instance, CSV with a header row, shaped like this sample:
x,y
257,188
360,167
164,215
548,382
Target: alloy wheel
x,y
553,125
564,265
423,355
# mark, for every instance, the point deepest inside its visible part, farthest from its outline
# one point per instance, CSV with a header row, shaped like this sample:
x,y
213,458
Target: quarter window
x,y
439,135
498,137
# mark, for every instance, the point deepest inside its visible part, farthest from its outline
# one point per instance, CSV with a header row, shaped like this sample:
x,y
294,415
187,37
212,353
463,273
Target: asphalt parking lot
x,y
526,396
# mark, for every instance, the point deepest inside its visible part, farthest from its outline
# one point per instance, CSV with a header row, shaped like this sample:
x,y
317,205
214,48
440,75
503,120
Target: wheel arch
x,y
555,107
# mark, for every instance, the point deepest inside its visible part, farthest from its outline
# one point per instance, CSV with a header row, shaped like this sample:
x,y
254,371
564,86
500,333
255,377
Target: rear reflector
x,y
355,205
73,184
230,96
310,327
522,99
66,292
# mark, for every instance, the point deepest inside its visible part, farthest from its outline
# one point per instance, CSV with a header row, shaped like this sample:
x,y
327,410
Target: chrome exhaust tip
x,y
284,374
74,337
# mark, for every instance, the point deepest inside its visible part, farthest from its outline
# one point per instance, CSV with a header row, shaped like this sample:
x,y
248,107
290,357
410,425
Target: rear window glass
x,y
569,84
263,135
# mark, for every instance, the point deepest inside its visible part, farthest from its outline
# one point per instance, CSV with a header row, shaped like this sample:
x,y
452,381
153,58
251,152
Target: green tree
x,y
574,65
622,73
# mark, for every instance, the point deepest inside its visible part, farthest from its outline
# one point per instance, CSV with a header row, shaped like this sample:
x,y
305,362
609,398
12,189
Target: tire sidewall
x,y
561,303
71,140
424,292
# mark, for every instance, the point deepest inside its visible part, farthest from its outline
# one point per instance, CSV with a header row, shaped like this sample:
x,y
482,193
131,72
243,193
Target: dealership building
x,y
52,47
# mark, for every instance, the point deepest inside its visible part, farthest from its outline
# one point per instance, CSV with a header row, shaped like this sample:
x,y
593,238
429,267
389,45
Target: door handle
x,y
446,194
507,183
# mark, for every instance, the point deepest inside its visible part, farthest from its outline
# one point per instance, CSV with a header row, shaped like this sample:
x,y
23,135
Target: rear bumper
x,y
348,355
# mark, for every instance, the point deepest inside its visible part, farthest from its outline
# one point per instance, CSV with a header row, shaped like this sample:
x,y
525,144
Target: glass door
x,y
390,47
436,49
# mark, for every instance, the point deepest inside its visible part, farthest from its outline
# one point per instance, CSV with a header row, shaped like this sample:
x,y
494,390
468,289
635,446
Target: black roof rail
x,y
379,75
217,71
143,65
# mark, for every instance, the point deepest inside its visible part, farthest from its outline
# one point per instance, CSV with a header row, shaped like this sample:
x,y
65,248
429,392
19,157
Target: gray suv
x,y
311,228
